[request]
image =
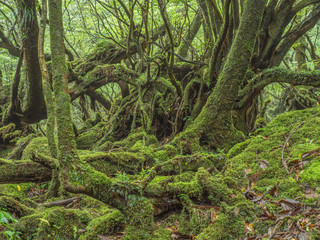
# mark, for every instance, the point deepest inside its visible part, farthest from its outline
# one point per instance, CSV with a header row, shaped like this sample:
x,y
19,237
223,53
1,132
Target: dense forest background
x,y
138,119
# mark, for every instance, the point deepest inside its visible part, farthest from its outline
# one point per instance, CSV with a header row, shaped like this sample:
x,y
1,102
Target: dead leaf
x,y
264,164
248,227
213,216
247,171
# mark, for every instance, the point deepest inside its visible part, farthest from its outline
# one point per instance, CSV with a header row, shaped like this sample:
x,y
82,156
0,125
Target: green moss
x,y
13,206
230,223
161,234
226,227
267,147
106,147
152,140
187,142
107,224
171,150
61,223
28,225
140,220
238,148
7,128
146,151
39,144
311,175
8,133
131,162
185,183
215,186
87,140
132,139
161,156
193,162
12,189
314,234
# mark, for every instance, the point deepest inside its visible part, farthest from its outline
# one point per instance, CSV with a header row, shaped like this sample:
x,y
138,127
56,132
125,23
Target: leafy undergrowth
x,y
263,188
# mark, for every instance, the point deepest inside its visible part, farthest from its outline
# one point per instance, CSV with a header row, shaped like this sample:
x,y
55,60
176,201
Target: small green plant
x,y
144,173
5,220
122,176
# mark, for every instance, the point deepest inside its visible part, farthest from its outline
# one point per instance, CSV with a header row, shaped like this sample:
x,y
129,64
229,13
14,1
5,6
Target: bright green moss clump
x,y
311,175
104,225
28,225
260,158
140,219
39,144
61,223
15,207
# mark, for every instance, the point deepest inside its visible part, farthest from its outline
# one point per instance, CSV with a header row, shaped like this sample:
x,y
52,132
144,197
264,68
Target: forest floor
x,y
266,187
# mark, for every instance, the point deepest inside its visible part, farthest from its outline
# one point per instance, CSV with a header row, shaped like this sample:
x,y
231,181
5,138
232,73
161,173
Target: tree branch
x,y
279,75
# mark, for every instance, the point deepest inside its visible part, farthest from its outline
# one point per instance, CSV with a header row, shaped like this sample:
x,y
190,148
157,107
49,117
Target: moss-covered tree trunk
x,y
67,154
34,109
214,124
190,34
49,98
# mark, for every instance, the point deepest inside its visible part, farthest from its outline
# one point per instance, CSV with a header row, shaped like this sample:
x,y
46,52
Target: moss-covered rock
x,y
38,144
140,219
11,190
28,225
13,206
105,225
171,150
231,221
61,223
259,159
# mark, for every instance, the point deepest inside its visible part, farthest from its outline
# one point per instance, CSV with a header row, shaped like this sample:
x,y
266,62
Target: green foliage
x,y
5,223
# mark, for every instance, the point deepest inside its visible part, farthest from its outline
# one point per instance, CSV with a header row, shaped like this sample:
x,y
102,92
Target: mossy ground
x,y
211,189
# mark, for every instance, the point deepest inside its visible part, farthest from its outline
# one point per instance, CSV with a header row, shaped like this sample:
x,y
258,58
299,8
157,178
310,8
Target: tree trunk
x,y
49,98
190,34
34,109
214,124
67,154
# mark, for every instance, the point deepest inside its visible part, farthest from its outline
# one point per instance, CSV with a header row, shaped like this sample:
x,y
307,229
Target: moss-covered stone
x,y
140,219
231,220
105,225
161,156
39,144
61,223
260,158
13,206
171,150
28,225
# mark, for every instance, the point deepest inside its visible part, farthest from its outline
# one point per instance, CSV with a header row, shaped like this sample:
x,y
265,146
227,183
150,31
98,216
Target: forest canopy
x,y
138,119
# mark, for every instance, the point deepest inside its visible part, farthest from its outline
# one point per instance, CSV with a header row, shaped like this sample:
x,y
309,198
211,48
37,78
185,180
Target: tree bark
x,y
214,124
34,109
190,34
67,154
